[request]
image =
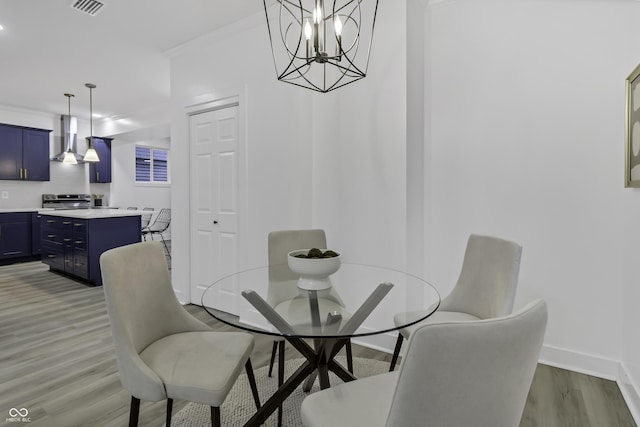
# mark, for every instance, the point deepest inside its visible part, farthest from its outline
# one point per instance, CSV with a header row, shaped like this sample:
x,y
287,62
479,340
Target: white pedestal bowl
x,y
314,272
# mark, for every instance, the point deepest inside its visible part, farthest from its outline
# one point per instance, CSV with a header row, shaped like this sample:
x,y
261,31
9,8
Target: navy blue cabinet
x,y
36,247
15,235
101,171
25,153
35,154
74,246
11,153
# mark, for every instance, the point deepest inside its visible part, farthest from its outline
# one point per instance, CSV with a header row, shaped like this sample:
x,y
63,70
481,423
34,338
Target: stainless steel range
x,y
66,201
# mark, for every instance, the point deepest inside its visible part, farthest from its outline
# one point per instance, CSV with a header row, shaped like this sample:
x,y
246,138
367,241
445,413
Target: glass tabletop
x,y
355,300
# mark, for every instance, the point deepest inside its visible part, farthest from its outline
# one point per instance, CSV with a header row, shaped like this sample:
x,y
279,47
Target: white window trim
x,y
152,183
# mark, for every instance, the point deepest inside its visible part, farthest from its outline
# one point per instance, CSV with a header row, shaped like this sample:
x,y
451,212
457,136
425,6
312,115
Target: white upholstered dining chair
x,y
280,243
455,373
486,287
162,351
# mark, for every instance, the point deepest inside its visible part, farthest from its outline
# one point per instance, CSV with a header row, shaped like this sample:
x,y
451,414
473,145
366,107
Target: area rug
x,y
239,405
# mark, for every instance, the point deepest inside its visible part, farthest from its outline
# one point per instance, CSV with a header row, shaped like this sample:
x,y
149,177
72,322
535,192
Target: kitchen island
x,y
73,240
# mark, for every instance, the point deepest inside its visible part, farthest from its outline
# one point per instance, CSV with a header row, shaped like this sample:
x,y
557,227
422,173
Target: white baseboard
x,y
630,393
596,366
580,362
384,343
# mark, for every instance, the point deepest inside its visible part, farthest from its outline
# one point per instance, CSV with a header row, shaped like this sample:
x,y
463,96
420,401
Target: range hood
x,y
69,138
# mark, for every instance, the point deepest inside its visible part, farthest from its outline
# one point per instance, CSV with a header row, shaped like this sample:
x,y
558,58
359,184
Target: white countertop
x,y
92,213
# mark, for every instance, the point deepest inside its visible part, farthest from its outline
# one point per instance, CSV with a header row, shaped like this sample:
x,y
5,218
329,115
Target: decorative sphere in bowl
x,y
314,272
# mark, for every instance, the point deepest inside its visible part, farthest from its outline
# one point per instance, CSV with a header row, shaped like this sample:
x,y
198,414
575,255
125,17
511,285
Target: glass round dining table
x,y
356,301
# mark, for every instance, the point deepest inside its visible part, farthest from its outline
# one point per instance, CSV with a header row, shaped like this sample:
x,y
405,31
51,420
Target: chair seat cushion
x,y
438,316
363,402
181,359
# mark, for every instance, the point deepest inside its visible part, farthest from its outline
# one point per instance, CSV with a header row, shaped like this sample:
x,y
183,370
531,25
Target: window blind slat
x,y
152,164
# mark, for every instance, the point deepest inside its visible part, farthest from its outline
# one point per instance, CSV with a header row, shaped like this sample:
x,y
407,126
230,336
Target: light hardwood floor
x,y
57,360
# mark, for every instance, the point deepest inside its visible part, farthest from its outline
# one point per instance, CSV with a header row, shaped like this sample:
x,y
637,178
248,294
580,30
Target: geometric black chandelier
x,y
320,48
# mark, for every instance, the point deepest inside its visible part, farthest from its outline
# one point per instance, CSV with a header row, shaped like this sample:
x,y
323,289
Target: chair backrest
x,y
145,219
487,284
280,243
142,308
162,221
475,373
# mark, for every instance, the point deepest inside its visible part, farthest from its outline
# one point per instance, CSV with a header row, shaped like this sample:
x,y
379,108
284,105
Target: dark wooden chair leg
x,y
169,411
396,352
349,357
252,383
274,349
280,376
215,417
135,410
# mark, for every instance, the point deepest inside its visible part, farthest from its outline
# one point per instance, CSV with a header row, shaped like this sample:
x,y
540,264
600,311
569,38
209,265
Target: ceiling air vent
x,y
92,7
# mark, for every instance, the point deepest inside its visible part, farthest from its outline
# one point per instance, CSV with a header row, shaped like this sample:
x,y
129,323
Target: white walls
x,y
527,143
276,136
630,299
64,178
359,153
357,134
124,189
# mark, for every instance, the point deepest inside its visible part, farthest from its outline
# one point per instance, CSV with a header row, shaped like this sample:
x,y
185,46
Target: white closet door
x,y
214,199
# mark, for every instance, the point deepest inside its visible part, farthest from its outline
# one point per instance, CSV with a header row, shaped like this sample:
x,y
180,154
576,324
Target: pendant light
x,y
69,156
317,46
91,155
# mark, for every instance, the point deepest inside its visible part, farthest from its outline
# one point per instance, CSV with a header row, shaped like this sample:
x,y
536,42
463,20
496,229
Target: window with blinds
x,y
152,165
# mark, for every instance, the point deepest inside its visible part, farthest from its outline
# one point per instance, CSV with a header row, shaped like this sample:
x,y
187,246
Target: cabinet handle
x,y
51,236
66,222
78,225
67,240
79,242
25,173
97,176
20,173
51,221
51,256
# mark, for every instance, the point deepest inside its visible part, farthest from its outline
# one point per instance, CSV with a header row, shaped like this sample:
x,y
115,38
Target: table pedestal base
x,y
319,362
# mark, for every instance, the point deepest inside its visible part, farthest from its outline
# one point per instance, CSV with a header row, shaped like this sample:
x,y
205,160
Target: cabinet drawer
x,y
79,226
51,235
61,223
79,241
80,264
52,222
53,255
